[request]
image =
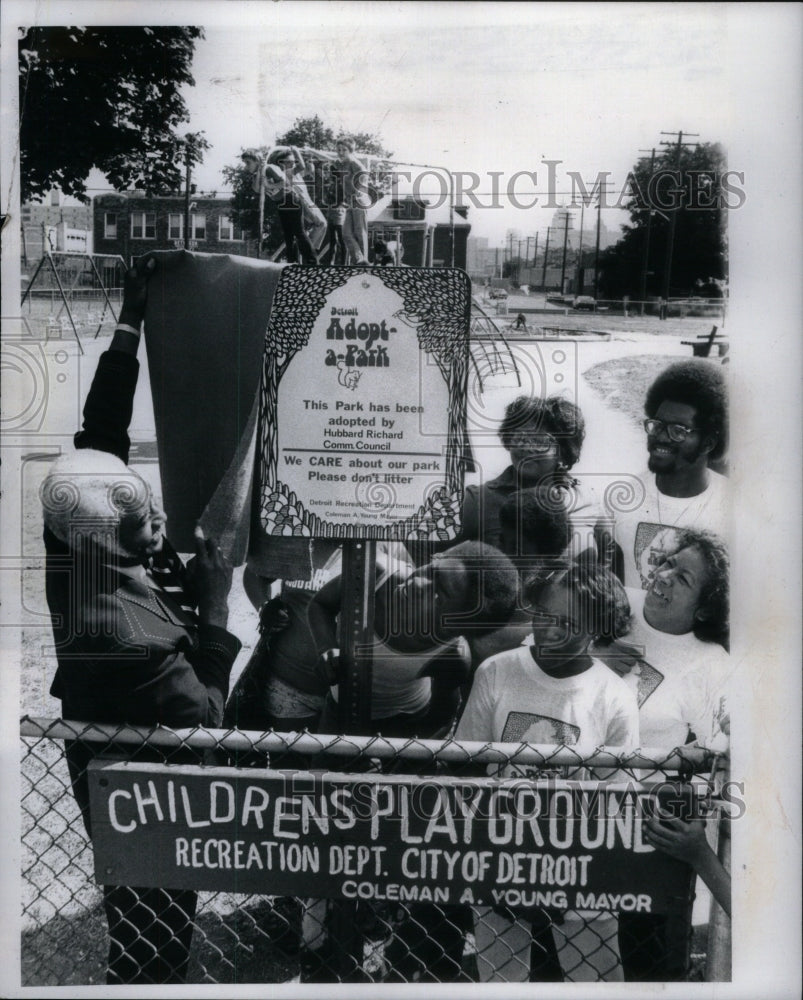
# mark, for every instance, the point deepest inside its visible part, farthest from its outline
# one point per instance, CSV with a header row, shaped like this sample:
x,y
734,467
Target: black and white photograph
x,y
400,498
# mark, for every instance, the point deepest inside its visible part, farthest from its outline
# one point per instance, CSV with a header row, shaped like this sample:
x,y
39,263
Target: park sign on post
x,y
557,844
363,403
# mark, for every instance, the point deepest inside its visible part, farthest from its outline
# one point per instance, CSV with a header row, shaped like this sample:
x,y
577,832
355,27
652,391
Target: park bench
x,y
702,346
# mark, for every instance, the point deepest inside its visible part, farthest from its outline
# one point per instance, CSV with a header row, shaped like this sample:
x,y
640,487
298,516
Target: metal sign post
x,y
363,417
358,577
356,635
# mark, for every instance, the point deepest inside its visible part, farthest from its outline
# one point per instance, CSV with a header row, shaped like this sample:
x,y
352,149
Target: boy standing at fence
x,y
420,660
551,692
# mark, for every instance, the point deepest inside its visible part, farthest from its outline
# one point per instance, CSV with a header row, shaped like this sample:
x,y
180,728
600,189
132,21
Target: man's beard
x,y
658,464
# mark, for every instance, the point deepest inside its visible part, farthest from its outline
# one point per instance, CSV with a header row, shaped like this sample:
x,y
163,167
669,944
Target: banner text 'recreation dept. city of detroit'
x,y
565,846
362,411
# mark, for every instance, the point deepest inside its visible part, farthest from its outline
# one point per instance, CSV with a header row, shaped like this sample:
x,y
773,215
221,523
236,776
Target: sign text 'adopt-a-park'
x,y
564,845
364,403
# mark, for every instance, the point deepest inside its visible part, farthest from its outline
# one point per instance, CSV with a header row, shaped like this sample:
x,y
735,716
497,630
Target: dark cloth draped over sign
x,y
205,333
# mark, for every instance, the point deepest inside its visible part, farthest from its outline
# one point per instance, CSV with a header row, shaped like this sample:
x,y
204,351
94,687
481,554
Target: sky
x,y
471,87
475,87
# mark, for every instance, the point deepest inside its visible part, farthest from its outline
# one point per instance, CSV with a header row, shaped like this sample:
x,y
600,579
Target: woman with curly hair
x,y
675,655
544,438
675,664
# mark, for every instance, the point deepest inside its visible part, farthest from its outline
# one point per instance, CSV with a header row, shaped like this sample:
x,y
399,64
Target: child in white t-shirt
x,y
552,692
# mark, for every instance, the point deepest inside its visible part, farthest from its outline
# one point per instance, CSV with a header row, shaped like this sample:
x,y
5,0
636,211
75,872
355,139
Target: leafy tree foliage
x,y
310,132
697,196
105,97
245,204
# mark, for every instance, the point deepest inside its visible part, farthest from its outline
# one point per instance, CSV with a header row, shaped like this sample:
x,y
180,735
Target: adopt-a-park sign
x,y
554,844
363,403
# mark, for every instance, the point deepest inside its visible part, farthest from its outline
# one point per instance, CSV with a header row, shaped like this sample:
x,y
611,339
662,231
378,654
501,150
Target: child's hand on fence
x,y
679,838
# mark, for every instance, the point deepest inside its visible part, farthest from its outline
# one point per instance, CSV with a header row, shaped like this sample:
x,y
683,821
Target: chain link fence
x,y
528,928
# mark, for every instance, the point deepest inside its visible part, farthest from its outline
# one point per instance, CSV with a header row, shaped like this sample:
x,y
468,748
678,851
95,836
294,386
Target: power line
x,y
567,218
601,192
670,242
645,258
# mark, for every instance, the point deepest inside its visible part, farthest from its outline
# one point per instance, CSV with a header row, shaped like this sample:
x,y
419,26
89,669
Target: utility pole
x,y
600,195
510,254
645,260
546,254
518,263
580,274
188,171
566,216
535,251
670,242
261,207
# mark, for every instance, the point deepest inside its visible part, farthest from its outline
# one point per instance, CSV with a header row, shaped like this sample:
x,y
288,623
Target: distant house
x,y
54,226
427,236
134,223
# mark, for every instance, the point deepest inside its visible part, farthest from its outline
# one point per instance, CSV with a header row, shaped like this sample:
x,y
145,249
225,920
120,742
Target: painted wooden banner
x,y
561,845
363,403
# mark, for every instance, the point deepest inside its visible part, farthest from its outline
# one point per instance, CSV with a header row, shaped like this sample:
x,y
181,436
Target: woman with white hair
x,y
131,647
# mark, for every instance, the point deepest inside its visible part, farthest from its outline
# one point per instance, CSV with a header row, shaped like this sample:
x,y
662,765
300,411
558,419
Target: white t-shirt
x,y
649,530
679,684
513,700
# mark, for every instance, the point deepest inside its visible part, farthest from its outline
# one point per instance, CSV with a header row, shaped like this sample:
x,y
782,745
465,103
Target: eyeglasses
x,y
541,444
675,432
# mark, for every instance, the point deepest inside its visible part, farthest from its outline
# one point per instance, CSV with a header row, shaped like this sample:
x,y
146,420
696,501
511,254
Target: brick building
x,y
134,223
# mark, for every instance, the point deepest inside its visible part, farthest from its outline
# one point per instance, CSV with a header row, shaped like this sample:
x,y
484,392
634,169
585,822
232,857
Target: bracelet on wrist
x,y
128,329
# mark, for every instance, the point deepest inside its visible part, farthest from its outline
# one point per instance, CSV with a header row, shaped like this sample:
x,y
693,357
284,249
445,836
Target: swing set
x,y
68,288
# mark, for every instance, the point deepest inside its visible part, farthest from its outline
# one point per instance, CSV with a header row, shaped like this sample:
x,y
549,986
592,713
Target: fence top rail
x,y
690,757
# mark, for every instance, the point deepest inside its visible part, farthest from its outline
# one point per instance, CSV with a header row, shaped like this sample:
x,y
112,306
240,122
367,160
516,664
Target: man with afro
x,y
687,429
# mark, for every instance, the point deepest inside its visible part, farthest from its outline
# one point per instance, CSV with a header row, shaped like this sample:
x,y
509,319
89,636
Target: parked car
x,y
497,293
584,303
